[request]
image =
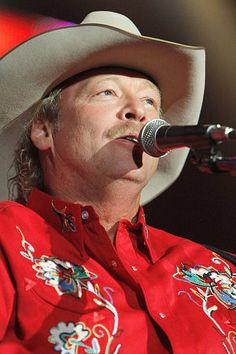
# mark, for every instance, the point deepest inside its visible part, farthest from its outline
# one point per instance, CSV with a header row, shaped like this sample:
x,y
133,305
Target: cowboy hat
x,y
32,69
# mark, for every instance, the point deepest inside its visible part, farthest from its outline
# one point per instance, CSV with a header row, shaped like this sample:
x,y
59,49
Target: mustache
x,y
128,128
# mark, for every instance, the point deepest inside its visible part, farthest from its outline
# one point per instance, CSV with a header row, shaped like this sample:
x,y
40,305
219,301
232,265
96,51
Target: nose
x,y
133,109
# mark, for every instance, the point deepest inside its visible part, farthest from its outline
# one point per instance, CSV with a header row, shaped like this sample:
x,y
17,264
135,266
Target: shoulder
x,y
162,236
168,243
12,214
10,208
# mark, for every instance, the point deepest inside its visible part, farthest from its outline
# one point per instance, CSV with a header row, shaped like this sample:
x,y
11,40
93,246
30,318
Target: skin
x,y
89,161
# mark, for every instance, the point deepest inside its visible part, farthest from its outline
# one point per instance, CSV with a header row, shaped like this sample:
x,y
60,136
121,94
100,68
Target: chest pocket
x,y
63,284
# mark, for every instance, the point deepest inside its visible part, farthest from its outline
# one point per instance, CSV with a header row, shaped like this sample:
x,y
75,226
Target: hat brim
x,y
41,63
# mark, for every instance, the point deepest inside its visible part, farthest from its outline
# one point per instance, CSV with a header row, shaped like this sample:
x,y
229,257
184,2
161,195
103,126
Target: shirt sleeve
x,y
9,343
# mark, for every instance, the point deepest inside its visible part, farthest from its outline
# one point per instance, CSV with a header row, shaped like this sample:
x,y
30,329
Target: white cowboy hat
x,y
104,38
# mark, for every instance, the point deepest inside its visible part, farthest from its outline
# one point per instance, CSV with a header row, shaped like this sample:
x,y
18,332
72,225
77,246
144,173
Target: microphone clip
x,y
213,161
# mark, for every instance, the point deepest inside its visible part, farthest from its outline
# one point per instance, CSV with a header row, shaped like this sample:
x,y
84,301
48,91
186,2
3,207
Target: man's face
x,y
100,115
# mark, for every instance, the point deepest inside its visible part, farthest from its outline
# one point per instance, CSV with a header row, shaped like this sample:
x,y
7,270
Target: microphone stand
x,y
213,161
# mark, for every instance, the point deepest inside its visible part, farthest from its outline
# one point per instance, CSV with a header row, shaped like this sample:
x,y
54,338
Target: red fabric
x,y
66,289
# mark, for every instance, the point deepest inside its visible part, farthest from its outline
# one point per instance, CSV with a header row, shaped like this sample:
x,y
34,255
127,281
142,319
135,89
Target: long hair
x,y
26,163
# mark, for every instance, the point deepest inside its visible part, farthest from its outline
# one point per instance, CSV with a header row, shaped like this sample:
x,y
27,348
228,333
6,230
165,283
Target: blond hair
x,y
26,163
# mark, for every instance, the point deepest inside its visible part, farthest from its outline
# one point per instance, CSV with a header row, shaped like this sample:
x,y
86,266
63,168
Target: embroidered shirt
x,y
65,288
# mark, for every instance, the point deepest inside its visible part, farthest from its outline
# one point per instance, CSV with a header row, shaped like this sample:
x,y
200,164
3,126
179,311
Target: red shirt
x,y
65,288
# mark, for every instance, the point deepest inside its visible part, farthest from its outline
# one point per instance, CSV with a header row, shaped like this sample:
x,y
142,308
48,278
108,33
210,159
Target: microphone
x,y
158,137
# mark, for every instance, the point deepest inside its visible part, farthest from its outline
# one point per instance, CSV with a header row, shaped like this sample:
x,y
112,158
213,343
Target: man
x,y
81,270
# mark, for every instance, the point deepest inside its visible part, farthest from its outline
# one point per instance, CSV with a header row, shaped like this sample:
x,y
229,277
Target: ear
x,y
41,135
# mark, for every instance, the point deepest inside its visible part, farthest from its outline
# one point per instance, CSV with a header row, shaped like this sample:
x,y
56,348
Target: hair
x,y
26,163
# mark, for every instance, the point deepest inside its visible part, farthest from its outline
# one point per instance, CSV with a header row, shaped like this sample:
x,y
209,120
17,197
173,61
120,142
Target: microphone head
x,y
147,137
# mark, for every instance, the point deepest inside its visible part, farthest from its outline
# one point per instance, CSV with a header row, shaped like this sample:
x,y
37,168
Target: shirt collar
x,y
64,216
68,218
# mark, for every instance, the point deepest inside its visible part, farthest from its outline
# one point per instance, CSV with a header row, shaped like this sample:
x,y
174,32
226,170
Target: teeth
x,y
131,138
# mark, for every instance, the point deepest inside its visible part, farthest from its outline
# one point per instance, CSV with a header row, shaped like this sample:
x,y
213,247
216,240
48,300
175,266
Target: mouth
x,y
131,138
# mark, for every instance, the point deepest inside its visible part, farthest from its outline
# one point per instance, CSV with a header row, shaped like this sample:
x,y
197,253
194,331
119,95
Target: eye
x,y
149,101
106,92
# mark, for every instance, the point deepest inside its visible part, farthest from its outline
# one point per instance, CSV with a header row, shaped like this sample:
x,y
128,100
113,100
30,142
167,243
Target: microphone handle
x,y
158,137
172,137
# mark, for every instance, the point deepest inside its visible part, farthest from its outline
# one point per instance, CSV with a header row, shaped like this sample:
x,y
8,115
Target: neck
x,y
113,202
110,213
116,205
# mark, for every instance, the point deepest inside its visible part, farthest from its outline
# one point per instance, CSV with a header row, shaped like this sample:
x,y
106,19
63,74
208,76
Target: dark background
x,y
198,206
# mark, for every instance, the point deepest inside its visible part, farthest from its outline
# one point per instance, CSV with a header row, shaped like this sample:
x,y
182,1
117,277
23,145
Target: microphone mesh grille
x,y
148,137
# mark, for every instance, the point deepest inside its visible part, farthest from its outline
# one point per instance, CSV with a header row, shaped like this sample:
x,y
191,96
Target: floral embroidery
x,y
71,279
69,337
67,219
212,283
65,277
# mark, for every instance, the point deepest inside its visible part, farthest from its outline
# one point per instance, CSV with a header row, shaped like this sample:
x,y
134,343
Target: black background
x,y
198,206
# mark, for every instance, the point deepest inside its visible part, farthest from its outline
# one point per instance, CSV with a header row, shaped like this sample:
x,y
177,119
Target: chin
x,y
138,176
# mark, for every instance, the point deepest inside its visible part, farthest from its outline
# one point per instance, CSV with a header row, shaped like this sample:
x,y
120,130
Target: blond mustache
x,y
128,128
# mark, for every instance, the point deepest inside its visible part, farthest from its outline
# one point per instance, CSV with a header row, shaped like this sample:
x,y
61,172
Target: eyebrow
x,y
146,82
109,78
151,85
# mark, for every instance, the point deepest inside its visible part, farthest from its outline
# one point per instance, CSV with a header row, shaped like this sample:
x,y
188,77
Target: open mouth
x,y
131,138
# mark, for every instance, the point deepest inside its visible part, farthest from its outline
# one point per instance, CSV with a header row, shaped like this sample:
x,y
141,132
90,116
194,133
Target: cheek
x,y
84,127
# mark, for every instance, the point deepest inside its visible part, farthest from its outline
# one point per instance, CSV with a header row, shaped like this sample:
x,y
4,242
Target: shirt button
x,y
134,268
114,263
84,215
162,315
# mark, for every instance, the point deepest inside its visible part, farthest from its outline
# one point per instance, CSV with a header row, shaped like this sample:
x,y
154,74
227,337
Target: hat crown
x,y
113,19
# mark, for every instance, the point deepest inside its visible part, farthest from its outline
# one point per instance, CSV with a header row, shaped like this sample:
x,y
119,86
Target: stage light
x,y
16,27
